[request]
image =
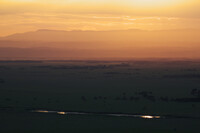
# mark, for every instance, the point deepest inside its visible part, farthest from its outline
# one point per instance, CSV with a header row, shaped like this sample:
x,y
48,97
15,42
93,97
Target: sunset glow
x,y
153,3
99,66
19,16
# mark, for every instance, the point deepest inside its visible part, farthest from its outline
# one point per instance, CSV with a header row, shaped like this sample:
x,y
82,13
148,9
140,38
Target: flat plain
x,y
132,96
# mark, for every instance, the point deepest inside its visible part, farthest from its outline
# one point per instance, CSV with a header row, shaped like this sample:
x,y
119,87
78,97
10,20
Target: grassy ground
x,y
143,87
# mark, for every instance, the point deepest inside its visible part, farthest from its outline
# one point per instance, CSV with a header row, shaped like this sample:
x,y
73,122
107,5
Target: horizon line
x,y
57,30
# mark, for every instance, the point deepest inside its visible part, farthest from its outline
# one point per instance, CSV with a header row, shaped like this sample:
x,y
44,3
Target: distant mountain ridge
x,y
58,35
47,43
105,36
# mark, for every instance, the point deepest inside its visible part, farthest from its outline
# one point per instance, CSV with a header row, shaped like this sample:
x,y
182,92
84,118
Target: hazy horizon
x,y
18,16
133,43
81,28
99,66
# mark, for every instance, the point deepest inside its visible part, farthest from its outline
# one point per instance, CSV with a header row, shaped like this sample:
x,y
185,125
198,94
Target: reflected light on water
x,y
46,111
116,115
41,111
150,117
61,113
157,117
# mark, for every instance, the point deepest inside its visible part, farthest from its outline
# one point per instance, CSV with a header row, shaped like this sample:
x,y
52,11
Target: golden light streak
x,y
150,117
61,113
42,111
147,117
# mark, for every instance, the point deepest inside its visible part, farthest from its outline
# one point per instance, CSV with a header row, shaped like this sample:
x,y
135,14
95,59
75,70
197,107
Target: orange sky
x,y
28,15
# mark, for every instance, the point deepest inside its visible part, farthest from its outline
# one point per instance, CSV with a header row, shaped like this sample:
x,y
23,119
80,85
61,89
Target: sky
x,y
18,16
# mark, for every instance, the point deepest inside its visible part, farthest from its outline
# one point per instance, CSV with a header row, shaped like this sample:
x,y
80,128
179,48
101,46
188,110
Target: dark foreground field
x,y
158,96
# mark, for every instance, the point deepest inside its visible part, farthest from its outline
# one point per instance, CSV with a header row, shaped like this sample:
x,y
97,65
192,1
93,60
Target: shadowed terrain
x,y
51,96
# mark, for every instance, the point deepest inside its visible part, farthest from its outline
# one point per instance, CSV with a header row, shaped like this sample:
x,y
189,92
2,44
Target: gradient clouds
x,y
26,15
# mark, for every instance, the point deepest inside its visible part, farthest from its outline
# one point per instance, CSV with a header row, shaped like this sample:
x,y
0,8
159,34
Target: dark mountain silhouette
x,y
105,36
101,44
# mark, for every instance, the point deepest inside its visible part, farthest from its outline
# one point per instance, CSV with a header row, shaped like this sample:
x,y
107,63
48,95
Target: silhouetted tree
x,y
134,98
117,98
151,98
8,99
95,98
195,92
166,99
83,98
124,98
100,97
2,81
